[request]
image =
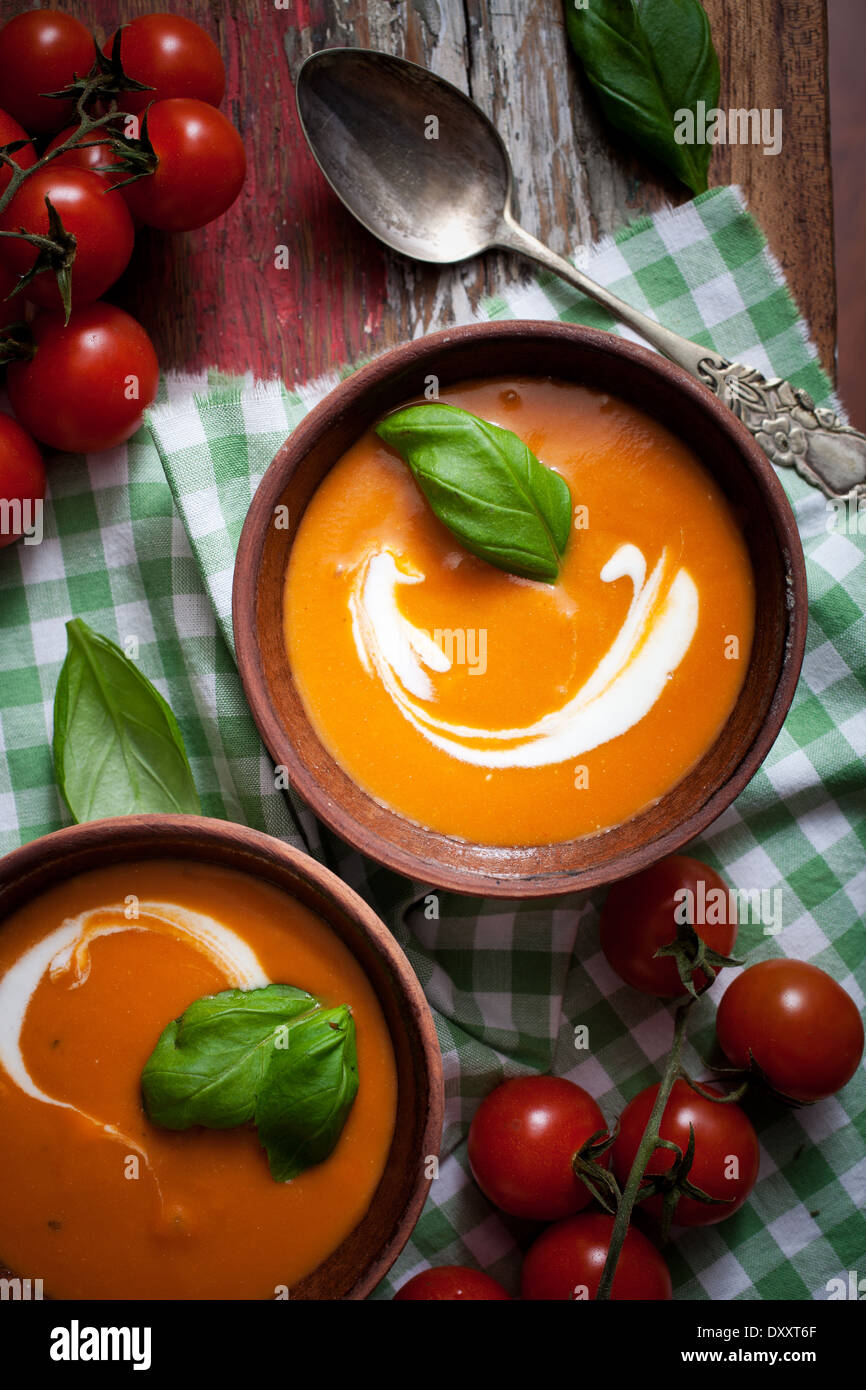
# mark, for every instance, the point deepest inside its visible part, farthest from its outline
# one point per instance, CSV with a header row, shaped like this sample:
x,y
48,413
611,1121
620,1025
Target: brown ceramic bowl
x,y
366,1255
660,389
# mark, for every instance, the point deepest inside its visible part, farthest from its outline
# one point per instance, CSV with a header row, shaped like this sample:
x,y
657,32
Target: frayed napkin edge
x,y
214,391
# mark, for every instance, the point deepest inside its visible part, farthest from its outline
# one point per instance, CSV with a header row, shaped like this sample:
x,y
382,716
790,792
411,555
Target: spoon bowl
x,y
424,169
409,154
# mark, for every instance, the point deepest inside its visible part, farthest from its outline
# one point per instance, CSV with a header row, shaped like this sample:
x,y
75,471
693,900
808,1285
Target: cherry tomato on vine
x,y
10,131
22,479
173,56
726,1157
87,156
522,1140
566,1263
449,1283
88,382
42,51
200,170
94,214
801,1028
640,914
11,310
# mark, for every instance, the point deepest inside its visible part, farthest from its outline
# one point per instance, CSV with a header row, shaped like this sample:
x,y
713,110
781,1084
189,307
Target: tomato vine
x,y
104,83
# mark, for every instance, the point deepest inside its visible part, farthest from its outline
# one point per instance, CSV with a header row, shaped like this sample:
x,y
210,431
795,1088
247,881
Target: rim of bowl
x,y
24,869
278,739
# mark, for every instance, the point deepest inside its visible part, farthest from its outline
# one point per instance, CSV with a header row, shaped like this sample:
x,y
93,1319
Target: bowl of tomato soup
x,y
110,931
493,733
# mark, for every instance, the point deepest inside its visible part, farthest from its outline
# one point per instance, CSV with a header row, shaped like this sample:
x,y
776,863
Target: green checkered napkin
x,y
141,542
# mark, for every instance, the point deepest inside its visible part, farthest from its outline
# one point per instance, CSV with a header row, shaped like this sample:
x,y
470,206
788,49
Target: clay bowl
x,y
660,389
367,1254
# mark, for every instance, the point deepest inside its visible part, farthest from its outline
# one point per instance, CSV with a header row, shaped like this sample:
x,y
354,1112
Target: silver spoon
x,y
424,170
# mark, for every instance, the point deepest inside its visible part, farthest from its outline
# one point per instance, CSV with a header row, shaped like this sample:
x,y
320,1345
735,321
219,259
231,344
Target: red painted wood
x,y
214,297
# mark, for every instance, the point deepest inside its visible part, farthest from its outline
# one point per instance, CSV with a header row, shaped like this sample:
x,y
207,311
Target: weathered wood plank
x,y
847,43
774,54
215,297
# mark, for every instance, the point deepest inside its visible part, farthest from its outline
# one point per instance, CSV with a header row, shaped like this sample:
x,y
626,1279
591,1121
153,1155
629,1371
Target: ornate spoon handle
x,y
790,428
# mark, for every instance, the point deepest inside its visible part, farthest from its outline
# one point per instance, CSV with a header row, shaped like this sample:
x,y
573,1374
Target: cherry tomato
x,y
22,480
87,156
88,383
42,51
173,56
11,310
726,1156
447,1283
94,214
10,130
800,1027
639,916
522,1139
566,1263
201,167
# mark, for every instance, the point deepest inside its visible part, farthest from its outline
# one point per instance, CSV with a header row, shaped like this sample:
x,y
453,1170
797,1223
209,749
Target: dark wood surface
x,y
848,123
215,297
727,450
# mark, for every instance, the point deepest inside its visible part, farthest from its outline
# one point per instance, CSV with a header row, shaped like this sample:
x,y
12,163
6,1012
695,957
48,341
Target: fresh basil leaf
x,y
209,1066
486,486
310,1091
272,1056
118,750
648,60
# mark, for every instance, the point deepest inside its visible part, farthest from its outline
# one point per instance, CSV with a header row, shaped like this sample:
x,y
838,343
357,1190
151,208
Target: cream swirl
x,y
65,952
655,635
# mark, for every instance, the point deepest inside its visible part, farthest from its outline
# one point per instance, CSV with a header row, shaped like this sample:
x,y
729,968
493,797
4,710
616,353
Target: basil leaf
x,y
209,1066
272,1056
310,1091
486,486
117,746
647,61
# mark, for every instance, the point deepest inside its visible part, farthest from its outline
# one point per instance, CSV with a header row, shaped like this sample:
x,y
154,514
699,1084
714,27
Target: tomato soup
x,y
505,710
95,1200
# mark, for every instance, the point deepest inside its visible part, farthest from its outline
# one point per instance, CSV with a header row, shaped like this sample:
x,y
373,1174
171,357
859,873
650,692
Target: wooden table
x,y
217,298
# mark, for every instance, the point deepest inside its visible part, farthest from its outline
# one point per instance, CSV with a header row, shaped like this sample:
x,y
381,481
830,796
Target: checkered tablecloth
x,y
140,542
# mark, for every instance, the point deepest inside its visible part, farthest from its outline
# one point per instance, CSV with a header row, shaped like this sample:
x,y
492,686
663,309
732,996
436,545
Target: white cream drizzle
x,y
655,635
66,952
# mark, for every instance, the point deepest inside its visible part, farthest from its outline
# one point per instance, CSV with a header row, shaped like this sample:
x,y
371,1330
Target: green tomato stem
x,y
86,125
645,1152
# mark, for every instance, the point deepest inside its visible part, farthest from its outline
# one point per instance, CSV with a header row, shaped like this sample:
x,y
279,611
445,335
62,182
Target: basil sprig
x,y
272,1056
486,486
647,60
117,746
